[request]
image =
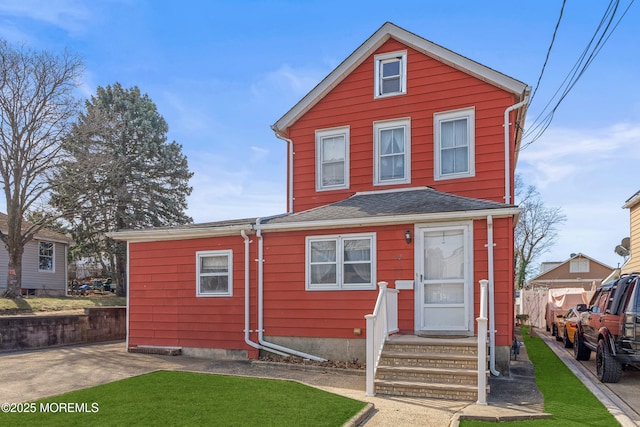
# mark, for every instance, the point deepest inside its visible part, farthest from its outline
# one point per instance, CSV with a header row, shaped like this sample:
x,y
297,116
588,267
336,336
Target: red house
x,y
400,170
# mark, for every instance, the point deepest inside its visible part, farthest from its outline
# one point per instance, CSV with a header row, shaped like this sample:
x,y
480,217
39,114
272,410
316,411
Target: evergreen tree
x,y
120,173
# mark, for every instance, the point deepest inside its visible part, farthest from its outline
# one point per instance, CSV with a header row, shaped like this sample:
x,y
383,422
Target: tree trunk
x,y
14,274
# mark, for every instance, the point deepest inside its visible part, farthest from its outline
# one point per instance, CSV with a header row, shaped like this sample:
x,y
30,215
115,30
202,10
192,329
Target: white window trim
x,y
229,255
53,257
325,133
576,265
469,114
339,239
378,59
388,124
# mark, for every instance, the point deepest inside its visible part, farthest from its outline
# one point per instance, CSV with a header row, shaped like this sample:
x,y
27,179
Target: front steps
x,y
442,368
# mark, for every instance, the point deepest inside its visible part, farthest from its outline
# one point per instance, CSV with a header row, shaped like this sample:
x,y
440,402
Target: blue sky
x,y
221,72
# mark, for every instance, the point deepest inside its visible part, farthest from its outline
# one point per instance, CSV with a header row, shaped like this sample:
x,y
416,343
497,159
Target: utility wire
x,y
588,55
546,59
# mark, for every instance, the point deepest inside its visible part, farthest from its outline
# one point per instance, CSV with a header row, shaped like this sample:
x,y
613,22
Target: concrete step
x,y
419,389
428,375
395,357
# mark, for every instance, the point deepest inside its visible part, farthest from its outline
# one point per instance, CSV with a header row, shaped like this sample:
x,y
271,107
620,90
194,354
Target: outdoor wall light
x,y
407,236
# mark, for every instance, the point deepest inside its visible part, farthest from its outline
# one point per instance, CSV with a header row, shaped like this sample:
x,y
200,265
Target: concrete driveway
x,y
30,375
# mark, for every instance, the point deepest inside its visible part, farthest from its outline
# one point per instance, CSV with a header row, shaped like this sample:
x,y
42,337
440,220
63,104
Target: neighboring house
x,y
633,263
579,271
400,169
560,286
44,263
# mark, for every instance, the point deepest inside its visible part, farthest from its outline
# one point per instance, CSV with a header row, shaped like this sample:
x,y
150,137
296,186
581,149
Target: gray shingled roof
x,y
392,203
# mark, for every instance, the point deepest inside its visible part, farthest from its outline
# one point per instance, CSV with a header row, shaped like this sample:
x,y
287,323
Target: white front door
x,y
444,295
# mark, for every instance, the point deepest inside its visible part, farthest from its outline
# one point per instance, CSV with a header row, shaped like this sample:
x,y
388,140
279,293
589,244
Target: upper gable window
x,y
390,74
454,144
332,159
579,265
392,153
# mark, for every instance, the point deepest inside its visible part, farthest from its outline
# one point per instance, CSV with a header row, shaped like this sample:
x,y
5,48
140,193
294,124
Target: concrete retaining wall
x,y
96,324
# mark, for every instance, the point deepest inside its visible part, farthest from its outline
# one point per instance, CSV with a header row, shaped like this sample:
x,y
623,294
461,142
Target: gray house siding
x,y
43,282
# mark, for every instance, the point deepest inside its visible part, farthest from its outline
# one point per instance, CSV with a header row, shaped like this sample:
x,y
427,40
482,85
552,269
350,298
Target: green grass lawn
x,y
167,398
40,304
570,402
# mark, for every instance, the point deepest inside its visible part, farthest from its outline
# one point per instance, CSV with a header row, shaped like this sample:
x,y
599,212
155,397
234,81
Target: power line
x,y
605,29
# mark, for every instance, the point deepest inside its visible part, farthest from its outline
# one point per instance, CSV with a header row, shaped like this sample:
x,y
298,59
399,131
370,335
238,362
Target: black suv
x,y
611,328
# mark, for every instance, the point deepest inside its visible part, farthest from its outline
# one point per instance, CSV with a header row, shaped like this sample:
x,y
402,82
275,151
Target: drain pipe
x,y
289,171
247,306
507,148
492,316
261,340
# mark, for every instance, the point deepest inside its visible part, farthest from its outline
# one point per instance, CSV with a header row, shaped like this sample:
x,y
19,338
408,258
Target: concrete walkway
x,y
27,376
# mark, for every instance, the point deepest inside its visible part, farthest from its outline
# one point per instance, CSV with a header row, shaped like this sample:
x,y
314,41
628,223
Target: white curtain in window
x,y
323,262
357,261
392,153
333,157
214,264
455,146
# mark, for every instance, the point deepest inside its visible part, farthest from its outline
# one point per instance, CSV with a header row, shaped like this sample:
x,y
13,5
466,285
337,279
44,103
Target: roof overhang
x,y
154,235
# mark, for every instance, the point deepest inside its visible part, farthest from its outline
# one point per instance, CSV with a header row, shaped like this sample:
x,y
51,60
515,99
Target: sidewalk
x,y
32,375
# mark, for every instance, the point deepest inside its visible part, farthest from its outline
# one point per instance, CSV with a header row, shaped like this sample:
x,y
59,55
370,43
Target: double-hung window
x,y
46,253
392,147
341,262
454,144
391,74
579,265
332,158
214,273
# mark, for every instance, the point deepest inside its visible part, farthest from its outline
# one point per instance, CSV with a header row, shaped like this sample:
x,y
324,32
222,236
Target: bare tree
x,y
37,104
536,230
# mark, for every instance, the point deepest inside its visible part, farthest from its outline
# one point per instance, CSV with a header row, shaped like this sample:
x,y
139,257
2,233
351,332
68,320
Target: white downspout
x,y
289,171
492,316
247,305
261,340
507,148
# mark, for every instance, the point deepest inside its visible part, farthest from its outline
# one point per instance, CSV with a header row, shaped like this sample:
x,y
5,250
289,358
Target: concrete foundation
x,y
215,353
336,349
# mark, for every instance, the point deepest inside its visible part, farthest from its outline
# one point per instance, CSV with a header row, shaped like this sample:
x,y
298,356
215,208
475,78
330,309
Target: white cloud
x,y
70,15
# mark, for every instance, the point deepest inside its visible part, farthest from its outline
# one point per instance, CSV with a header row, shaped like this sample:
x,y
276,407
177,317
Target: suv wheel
x,y
554,331
580,351
565,340
608,368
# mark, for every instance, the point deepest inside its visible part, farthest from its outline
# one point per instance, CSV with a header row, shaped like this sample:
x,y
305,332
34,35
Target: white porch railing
x,y
380,324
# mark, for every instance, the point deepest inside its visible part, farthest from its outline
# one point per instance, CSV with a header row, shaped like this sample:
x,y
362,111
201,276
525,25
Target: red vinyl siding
x,y
432,87
163,307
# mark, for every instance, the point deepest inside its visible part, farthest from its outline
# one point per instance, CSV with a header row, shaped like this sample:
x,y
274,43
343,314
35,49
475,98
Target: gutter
x,y
491,288
507,147
289,169
270,346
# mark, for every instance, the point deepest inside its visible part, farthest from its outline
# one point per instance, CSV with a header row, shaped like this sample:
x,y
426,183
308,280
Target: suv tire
x,y
608,368
565,340
554,331
580,351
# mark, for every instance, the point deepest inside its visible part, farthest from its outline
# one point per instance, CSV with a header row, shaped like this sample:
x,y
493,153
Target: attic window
x,y
390,74
579,265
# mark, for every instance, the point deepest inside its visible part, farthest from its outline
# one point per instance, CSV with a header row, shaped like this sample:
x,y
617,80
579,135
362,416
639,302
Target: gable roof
x,y
543,276
42,234
384,33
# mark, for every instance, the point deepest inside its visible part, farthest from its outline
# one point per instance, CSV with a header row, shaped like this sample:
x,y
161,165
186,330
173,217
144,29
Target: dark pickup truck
x,y
611,328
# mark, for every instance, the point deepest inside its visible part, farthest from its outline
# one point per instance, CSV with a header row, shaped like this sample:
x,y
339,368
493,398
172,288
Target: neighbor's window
x,y
579,265
392,142
391,74
454,142
46,256
332,158
341,262
214,273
